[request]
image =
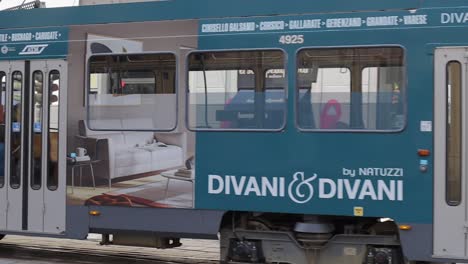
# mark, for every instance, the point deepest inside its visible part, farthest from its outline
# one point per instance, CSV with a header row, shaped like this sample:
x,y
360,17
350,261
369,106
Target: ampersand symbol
x,y
301,190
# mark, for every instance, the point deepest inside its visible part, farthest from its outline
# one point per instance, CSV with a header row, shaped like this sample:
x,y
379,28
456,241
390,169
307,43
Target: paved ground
x,y
33,250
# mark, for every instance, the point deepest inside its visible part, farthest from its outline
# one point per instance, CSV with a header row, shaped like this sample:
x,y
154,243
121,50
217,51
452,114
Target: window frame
x,y
377,131
176,90
187,92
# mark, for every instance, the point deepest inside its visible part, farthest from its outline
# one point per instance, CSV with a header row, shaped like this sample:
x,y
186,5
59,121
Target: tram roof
x,y
193,9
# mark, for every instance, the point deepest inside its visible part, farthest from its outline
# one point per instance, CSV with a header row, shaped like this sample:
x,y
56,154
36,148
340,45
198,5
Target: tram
x,y
293,131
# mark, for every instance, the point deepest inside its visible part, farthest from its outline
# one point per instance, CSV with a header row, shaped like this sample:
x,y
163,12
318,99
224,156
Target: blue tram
x,y
295,132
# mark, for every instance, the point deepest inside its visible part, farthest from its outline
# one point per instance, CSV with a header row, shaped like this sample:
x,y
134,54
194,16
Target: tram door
x,y
32,136
450,153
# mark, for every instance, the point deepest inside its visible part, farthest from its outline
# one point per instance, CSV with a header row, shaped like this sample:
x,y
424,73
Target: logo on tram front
x,y
34,49
4,50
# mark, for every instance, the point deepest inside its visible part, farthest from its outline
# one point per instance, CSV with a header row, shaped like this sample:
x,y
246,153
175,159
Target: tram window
x,y
132,87
454,133
236,90
36,153
53,133
16,121
3,83
358,89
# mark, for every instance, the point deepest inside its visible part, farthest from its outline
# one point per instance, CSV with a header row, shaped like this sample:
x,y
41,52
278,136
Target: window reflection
x,y
237,90
123,88
351,88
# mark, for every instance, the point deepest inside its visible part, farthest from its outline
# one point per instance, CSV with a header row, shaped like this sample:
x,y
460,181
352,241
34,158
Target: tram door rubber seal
x,y
25,144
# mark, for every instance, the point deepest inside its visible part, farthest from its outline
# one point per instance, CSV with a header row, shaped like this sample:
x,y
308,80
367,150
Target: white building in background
x,y
102,2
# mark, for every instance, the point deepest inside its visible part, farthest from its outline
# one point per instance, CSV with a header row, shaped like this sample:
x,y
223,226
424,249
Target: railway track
x,y
46,250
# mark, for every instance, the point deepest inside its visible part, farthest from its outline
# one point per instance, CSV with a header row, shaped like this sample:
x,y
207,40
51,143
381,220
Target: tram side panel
x,y
346,146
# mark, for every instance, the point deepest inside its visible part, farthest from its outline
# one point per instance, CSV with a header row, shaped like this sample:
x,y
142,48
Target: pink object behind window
x,y
330,114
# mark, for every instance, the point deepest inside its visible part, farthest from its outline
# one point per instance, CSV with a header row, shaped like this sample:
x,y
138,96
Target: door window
x,y
454,133
3,83
36,153
16,122
53,133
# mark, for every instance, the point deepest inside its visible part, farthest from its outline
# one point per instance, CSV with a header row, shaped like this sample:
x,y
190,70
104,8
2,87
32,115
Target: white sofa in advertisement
x,y
127,153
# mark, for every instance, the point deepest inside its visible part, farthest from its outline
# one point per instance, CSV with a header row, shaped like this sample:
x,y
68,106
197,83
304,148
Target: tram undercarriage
x,y
257,238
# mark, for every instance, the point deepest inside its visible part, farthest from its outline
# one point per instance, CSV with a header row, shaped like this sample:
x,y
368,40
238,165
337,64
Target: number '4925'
x,y
291,39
